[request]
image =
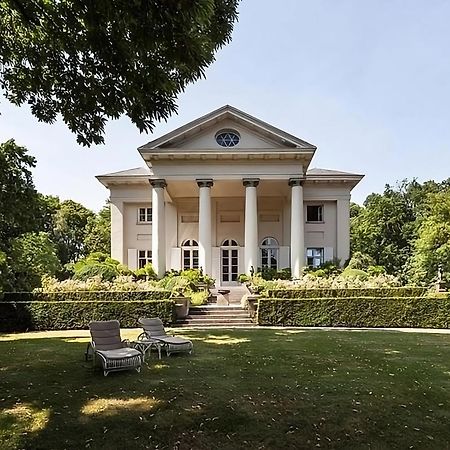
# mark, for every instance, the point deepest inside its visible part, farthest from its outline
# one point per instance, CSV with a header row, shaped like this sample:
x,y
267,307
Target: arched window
x,y
189,250
269,253
230,243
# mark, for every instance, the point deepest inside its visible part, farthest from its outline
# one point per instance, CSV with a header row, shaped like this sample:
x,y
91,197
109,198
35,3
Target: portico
x,y
208,226
230,194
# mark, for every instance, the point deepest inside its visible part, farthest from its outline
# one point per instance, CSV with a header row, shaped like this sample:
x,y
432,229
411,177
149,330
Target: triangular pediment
x,y
201,133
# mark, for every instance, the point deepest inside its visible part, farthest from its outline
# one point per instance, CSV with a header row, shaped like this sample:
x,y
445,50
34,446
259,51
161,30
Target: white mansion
x,y
229,193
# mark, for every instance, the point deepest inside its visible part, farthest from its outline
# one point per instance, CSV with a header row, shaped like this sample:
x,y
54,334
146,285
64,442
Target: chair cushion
x,y
173,340
119,353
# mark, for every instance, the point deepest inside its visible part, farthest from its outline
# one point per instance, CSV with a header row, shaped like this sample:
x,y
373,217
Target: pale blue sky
x,y
367,82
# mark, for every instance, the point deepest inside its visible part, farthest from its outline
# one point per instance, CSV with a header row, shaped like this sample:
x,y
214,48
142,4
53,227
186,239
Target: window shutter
x,y
215,257
175,258
284,258
132,259
328,254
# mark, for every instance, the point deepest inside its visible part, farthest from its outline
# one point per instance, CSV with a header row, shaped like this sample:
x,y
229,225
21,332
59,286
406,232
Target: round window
x,y
227,138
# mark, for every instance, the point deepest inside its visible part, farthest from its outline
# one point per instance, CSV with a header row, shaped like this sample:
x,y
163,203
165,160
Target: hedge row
x,y
419,312
351,292
87,296
24,316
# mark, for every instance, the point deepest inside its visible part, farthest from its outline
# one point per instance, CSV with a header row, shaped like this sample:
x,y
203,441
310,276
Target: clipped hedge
x,y
57,315
421,312
87,296
350,292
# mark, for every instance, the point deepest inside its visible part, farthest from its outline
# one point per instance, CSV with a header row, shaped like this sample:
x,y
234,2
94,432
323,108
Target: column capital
x,y
205,183
160,183
296,181
250,182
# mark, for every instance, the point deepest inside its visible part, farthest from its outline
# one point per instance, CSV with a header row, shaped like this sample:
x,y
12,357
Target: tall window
x,y
230,260
144,257
144,215
314,257
314,213
269,253
190,254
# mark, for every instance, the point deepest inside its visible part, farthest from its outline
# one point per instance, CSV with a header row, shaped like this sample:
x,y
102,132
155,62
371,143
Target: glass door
x,y
229,262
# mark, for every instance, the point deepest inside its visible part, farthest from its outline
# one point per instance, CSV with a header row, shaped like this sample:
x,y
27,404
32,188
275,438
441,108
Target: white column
x,y
158,227
117,230
251,225
297,227
343,229
204,225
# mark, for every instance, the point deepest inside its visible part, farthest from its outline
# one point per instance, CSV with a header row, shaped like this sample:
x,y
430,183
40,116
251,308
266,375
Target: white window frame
x,y
320,213
146,213
189,252
270,246
144,257
317,256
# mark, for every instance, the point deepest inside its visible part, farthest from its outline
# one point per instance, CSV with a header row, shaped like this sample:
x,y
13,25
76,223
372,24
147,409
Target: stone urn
x,y
182,307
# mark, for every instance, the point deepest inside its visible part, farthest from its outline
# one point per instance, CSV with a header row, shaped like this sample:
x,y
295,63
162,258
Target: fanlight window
x,y
190,254
269,253
230,243
227,138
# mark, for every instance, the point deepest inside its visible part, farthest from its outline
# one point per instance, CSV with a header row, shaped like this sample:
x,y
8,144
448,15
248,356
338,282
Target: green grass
x,y
258,388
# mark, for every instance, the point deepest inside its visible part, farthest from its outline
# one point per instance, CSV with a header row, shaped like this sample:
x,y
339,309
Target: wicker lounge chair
x,y
108,347
154,329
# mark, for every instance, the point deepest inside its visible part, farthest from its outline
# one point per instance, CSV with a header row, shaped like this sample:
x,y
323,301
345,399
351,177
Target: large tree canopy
x,y
402,229
19,200
90,61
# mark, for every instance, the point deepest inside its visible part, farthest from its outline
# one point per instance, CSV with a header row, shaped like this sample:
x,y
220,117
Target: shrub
x,y
376,270
326,269
96,264
312,281
269,274
88,296
243,278
348,292
199,298
185,282
57,315
360,261
146,272
355,273
356,312
120,283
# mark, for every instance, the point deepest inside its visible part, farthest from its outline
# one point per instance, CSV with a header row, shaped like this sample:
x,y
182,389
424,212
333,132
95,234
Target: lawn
x,y
257,389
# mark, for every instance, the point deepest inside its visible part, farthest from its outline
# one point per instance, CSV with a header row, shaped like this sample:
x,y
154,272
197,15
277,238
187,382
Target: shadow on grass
x,y
239,389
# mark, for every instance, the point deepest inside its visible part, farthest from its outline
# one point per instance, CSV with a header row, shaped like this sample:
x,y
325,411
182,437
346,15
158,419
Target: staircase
x,y
229,295
216,316
223,310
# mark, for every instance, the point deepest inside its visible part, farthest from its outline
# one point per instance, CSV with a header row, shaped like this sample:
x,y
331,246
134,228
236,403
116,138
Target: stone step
x,y
215,317
216,308
216,325
217,320
202,312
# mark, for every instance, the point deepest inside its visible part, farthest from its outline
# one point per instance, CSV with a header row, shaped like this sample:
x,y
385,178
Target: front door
x,y
229,264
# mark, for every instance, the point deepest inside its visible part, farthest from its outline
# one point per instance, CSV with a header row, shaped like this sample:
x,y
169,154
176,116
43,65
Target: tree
x,y
32,256
90,61
19,203
98,232
96,264
385,228
432,247
69,232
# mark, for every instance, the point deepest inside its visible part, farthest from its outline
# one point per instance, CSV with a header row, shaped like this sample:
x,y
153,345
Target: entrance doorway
x,y
229,262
